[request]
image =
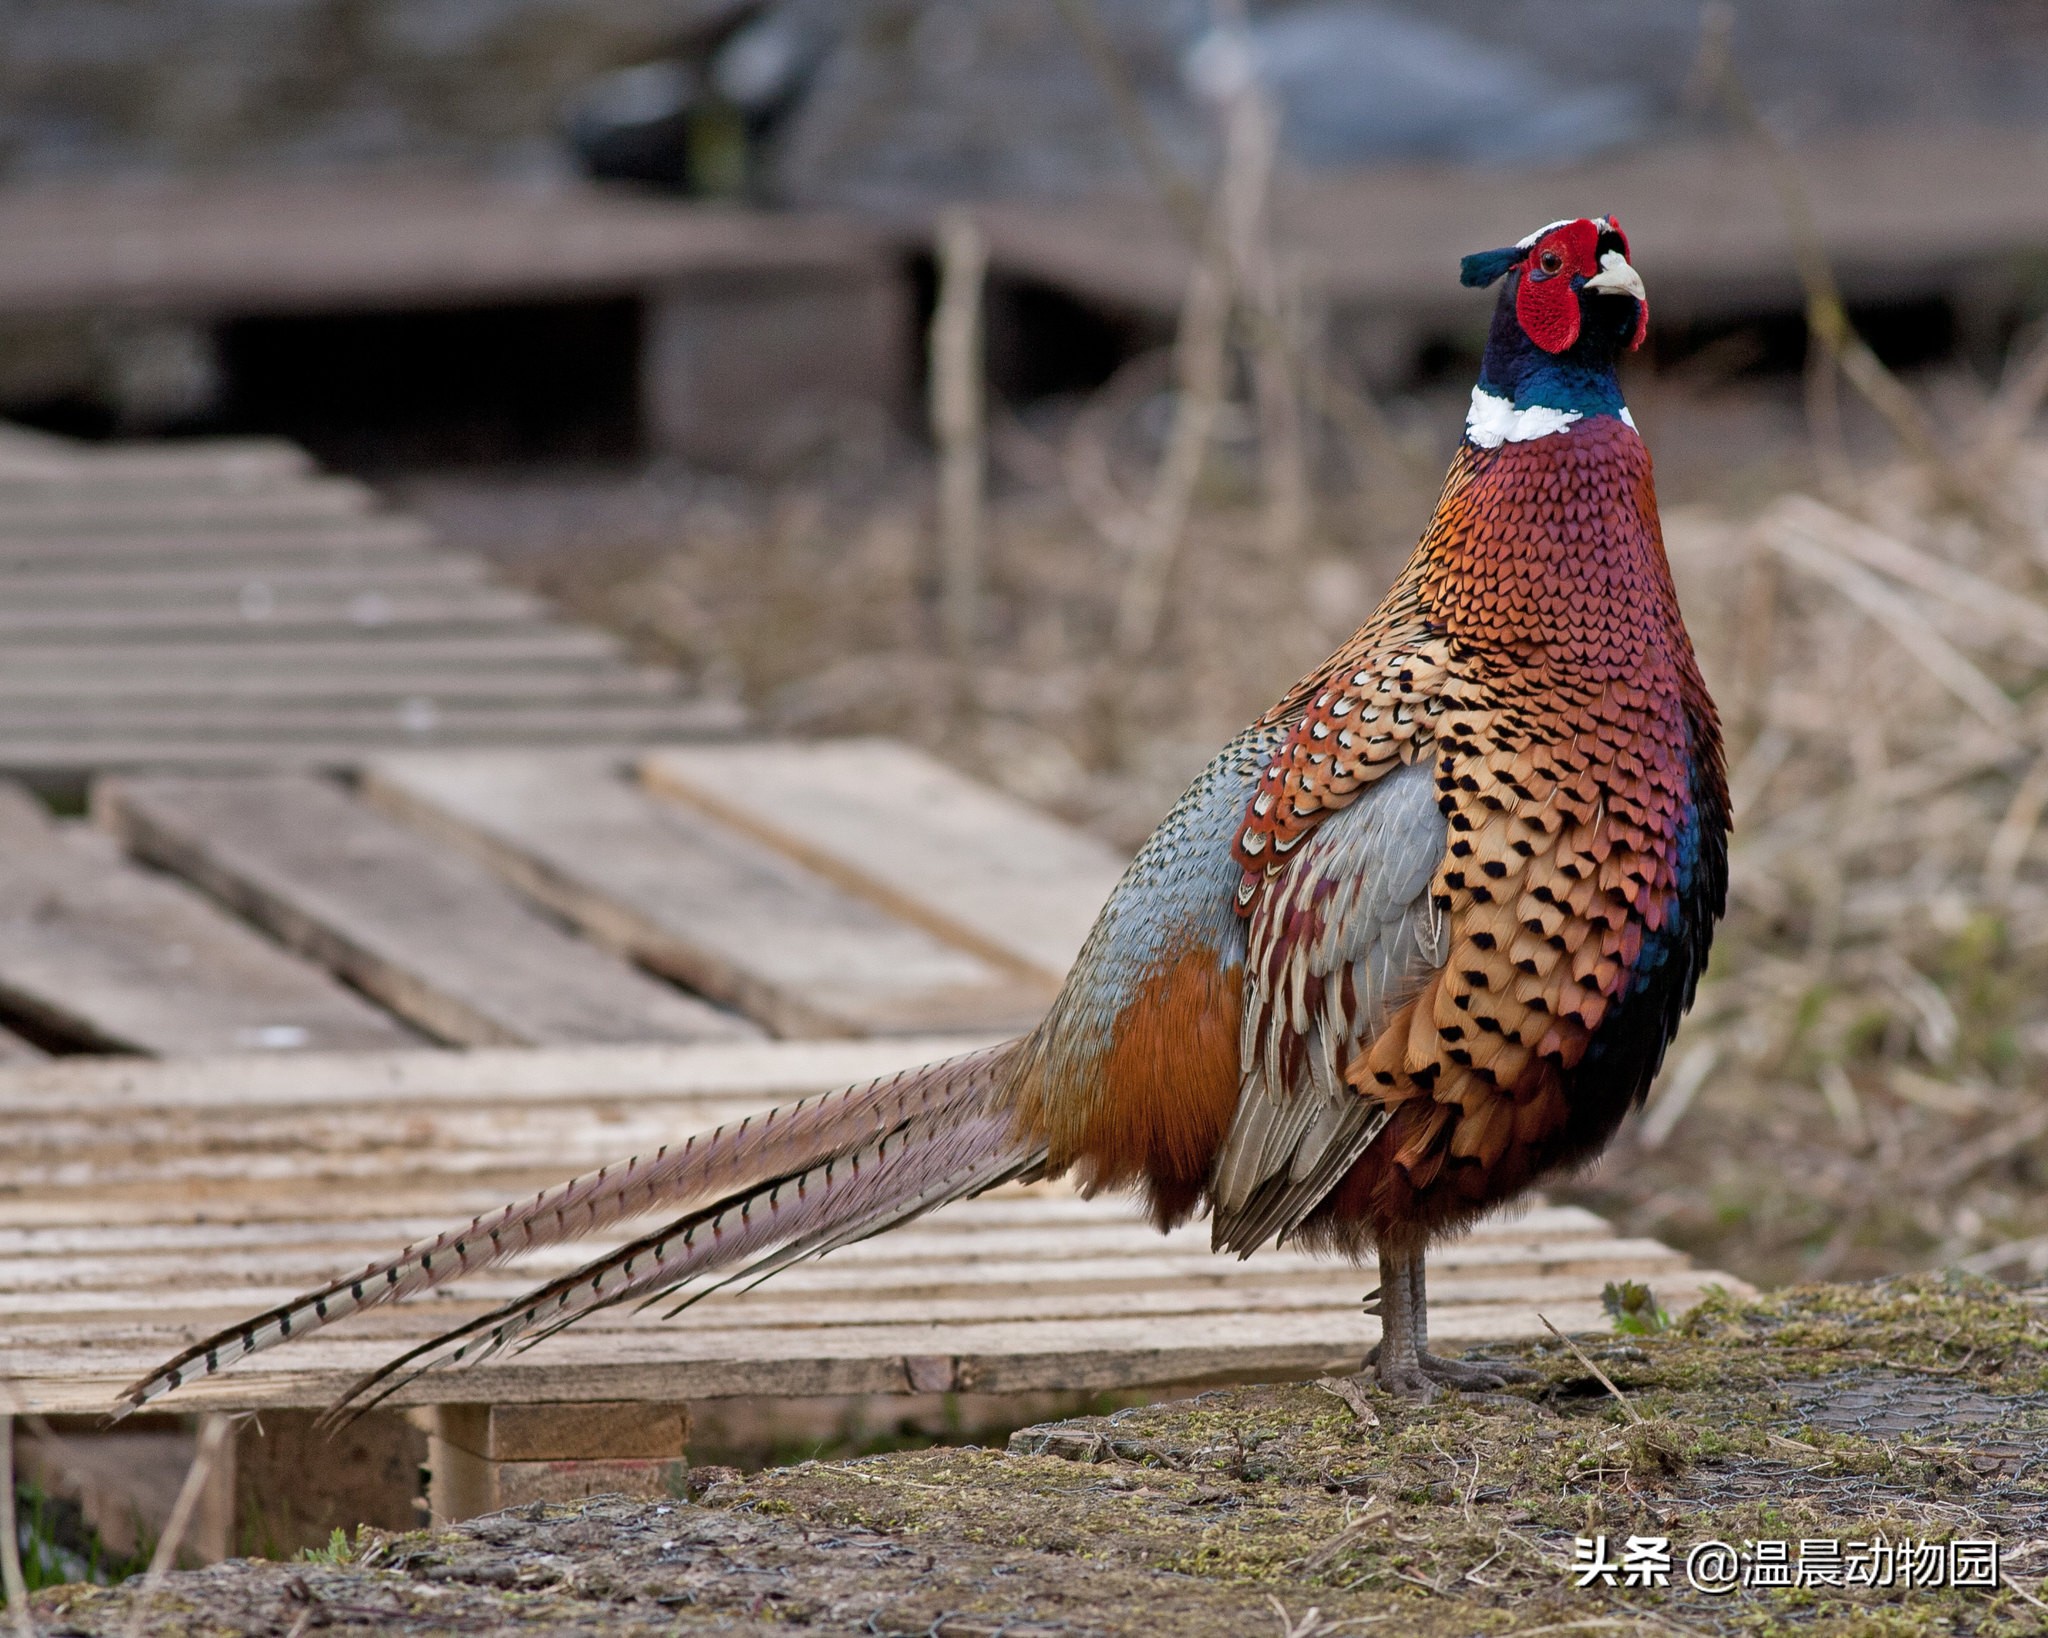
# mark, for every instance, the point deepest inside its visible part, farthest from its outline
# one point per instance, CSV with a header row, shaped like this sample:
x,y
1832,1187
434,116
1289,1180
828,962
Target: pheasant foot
x,y
1420,1377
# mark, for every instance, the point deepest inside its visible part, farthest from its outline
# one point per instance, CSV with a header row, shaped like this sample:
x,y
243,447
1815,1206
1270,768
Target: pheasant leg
x,y
1402,1361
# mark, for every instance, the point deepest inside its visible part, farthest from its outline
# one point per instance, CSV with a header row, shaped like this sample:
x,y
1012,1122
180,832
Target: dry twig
x,y
1586,1360
957,416
11,1578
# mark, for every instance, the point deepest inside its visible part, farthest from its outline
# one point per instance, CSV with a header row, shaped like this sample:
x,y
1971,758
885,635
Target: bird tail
x,y
751,1197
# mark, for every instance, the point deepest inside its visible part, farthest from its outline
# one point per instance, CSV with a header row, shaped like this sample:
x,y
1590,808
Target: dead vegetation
x,y
1913,1410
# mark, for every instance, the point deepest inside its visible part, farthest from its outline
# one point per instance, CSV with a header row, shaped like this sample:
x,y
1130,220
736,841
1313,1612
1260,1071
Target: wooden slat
x,y
524,646
234,1087
319,244
697,900
1021,1210
887,822
29,461
225,620
429,932
89,508
106,1266
103,952
70,756
209,585
93,692
422,721
355,538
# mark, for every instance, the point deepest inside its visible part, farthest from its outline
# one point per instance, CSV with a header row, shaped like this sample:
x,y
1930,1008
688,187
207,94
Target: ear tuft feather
x,y
1482,267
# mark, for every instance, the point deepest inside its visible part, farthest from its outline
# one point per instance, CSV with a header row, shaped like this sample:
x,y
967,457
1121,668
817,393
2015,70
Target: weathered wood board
x,y
426,930
171,1198
888,823
367,540
100,951
694,898
211,605
88,507
33,462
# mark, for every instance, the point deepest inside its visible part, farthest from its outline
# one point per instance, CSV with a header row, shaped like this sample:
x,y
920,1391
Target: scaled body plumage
x,y
1415,939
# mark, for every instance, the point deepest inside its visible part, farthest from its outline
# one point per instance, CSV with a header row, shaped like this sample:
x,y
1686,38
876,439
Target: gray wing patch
x,y
1339,942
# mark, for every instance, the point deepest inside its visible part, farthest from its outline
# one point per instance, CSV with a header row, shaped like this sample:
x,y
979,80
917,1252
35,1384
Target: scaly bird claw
x,y
1420,1380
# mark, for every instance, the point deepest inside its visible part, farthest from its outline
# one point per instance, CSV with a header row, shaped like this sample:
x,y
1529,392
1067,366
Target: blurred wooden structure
x,y
147,1203
1958,212
224,604
744,314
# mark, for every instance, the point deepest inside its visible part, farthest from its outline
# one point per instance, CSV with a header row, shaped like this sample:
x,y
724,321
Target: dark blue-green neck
x,y
1580,379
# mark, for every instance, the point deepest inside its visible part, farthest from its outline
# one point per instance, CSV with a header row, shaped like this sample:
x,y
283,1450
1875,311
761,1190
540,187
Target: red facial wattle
x,y
1546,302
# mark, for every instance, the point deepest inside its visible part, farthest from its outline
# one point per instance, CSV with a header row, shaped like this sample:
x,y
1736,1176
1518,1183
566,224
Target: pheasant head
x,y
1571,305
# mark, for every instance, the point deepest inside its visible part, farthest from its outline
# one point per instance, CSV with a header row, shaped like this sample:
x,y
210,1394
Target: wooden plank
x,y
696,900
1054,1271
885,821
429,932
416,719
209,584
534,645
486,1457
101,952
644,1362
321,243
31,459
358,537
358,1235
365,611
90,692
92,509
364,616
1912,210
63,760
770,1072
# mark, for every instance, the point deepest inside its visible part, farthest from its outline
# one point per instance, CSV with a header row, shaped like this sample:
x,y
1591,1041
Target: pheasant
x,y
1415,939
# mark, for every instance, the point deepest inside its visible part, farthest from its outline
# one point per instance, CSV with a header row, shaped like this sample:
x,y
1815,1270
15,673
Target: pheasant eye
x,y
1550,261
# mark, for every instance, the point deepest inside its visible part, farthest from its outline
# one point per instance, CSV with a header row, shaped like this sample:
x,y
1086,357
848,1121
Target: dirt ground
x,y
1914,1410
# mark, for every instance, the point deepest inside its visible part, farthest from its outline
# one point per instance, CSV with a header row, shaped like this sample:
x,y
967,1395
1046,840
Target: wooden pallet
x,y
223,604
561,898
146,1203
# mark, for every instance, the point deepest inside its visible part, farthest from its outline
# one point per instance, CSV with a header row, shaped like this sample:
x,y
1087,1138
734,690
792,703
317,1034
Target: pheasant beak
x,y
1616,277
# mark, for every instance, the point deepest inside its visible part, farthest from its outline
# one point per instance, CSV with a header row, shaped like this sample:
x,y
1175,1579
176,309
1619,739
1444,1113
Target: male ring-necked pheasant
x,y
1416,938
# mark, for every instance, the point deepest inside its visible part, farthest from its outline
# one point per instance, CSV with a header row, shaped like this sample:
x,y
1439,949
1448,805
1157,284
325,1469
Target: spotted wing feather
x,y
1340,938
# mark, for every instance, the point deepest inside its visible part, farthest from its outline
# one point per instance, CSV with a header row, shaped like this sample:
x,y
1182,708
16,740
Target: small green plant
x,y
338,1550
1633,1308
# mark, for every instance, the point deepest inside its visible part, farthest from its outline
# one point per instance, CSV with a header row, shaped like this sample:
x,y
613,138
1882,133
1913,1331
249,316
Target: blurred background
x,y
1050,382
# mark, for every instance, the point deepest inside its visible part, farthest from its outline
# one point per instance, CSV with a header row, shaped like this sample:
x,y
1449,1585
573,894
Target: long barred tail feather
x,y
903,1173
704,1175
